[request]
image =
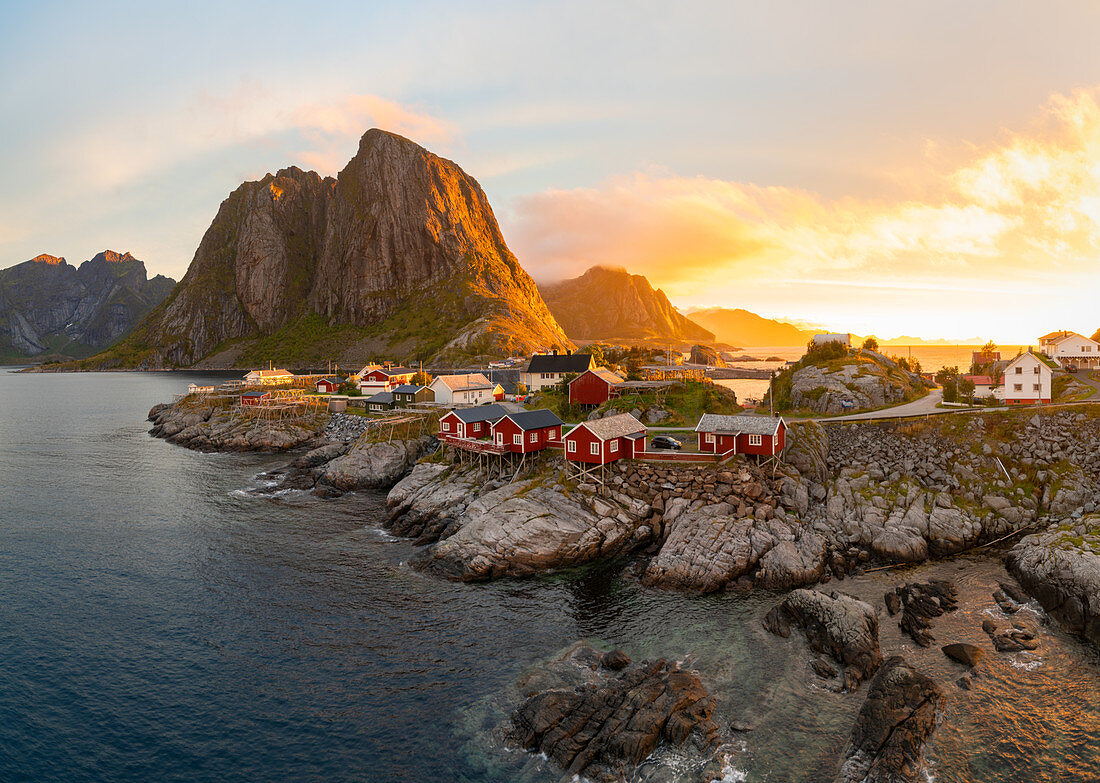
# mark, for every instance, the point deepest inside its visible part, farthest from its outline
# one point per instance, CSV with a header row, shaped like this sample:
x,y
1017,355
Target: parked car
x,y
665,442
1071,368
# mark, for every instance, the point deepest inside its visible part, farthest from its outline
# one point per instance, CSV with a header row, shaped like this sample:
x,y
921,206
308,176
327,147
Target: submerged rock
x,y
895,722
967,654
836,624
921,602
601,725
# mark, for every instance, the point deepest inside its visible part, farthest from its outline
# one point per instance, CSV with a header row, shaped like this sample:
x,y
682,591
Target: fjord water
x,y
158,621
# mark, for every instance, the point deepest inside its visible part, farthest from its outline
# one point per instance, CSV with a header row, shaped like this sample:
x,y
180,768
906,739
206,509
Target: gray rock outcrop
x,y
894,724
204,426
838,625
1061,569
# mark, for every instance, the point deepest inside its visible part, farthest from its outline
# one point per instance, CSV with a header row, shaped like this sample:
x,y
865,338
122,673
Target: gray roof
x,y
408,388
382,397
481,413
616,426
746,425
536,419
560,362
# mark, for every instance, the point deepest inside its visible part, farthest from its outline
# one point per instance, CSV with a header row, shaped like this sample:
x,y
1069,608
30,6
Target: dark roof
x,y
481,413
256,394
383,397
562,362
536,419
393,370
408,388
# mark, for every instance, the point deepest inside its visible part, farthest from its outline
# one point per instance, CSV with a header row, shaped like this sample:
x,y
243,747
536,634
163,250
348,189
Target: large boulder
x,y
1061,569
839,625
704,354
895,722
375,465
600,724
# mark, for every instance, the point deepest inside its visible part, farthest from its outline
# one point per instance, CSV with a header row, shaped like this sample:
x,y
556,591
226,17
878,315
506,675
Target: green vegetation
x,y
870,344
685,402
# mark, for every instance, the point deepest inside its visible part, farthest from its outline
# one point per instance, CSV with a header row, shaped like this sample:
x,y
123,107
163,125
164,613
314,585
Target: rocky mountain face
x,y
399,255
611,304
742,328
49,308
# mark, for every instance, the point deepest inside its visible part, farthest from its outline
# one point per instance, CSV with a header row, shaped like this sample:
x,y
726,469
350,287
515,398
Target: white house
x,y
272,377
1071,348
547,369
1026,381
469,389
844,338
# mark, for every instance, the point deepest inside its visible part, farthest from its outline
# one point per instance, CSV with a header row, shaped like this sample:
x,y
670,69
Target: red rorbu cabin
x,y
760,435
470,422
528,431
593,387
255,397
605,440
327,386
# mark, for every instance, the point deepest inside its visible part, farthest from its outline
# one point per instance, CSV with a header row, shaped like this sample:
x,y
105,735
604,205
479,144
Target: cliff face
x,y
49,308
399,255
607,304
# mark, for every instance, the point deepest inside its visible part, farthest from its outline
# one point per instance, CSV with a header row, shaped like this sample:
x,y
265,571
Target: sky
x,y
928,169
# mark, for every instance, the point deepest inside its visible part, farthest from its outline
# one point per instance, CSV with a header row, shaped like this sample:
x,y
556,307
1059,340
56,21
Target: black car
x,y
1071,368
665,442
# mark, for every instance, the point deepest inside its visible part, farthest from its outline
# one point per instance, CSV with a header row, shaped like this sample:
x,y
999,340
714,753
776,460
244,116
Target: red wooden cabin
x,y
605,440
255,397
593,387
760,435
327,386
528,431
470,422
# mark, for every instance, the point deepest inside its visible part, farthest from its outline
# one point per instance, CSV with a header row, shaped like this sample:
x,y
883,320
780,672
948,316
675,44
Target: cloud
x,y
329,127
1010,212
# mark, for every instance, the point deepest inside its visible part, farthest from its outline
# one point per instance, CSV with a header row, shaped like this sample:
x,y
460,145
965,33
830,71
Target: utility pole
x,y
771,396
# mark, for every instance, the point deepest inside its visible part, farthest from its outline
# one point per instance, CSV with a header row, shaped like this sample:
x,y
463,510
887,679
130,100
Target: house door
x,y
500,438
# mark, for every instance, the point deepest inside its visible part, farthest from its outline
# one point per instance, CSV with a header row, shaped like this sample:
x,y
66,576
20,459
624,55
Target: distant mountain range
x,y
745,329
52,310
614,305
400,256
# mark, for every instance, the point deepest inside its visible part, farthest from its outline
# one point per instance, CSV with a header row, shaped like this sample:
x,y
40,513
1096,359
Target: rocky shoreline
x,y
845,499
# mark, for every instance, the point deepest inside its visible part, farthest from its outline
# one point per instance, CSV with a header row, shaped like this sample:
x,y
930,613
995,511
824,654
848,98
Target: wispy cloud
x,y
1007,212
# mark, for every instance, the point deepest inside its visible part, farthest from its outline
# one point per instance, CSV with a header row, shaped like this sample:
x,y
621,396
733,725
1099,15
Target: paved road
x,y
925,405
1083,377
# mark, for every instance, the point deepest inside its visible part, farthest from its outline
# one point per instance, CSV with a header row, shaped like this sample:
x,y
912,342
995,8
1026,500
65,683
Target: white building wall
x,y
1020,386
1076,349
535,381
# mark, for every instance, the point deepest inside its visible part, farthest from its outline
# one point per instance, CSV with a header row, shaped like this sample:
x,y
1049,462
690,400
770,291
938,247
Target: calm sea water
x,y
159,622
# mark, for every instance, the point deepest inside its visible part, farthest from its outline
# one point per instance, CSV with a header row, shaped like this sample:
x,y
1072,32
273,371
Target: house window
x,y
594,448
1036,388
756,440
614,446
571,446
446,426
1019,370
517,440
708,438
533,437
1017,387
1035,370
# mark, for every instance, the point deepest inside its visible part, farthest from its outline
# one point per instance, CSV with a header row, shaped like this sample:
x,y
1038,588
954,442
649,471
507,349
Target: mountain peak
x,y
46,258
113,257
609,303
400,253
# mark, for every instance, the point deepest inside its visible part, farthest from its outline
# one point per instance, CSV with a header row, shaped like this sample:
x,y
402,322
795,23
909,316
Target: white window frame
x,y
1017,387
1036,387
571,446
1019,370
594,449
533,437
708,437
614,446
517,440
756,440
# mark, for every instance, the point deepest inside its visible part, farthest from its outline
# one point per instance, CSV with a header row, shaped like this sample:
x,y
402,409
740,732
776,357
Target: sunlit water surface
x,y
160,622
